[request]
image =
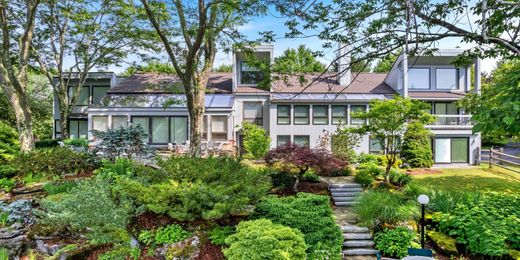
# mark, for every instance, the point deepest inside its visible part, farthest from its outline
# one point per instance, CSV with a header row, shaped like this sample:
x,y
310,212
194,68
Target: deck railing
x,y
453,120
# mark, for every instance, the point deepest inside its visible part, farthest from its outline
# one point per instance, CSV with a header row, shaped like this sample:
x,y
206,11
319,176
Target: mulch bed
x,y
314,187
150,220
210,251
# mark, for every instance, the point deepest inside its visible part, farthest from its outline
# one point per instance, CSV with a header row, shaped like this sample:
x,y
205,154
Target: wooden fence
x,y
503,160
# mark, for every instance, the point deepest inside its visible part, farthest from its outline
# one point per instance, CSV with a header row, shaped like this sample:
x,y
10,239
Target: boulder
x,y
186,249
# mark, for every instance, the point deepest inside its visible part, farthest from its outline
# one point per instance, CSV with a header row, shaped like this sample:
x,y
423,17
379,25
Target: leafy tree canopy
x,y
224,68
301,60
150,67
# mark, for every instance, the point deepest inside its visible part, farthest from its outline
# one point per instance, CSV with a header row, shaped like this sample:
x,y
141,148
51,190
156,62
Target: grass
x,y
478,178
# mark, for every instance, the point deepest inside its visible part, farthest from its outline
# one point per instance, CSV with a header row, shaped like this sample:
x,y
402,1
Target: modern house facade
x,y
289,110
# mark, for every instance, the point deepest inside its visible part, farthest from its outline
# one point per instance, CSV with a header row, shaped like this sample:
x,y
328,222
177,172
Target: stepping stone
x,y
344,198
358,243
345,203
357,236
345,194
360,252
354,229
345,185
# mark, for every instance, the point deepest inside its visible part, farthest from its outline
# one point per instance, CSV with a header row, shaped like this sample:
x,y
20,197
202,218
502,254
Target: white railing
x,y
453,120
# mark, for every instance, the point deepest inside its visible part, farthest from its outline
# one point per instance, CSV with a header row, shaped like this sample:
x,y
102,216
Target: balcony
x,y
452,121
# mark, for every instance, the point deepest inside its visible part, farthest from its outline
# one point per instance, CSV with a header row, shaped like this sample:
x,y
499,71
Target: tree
x,y
17,22
417,148
190,33
385,63
150,67
224,68
497,110
387,123
91,34
344,142
256,141
301,60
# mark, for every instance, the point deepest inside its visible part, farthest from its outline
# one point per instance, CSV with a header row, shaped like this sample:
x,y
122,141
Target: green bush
x,y
55,188
399,178
395,242
367,158
256,141
376,208
416,149
445,243
311,176
383,161
56,161
344,141
7,184
349,170
47,143
485,226
218,234
77,142
123,141
282,180
364,178
371,168
261,239
198,188
9,145
4,253
312,215
171,234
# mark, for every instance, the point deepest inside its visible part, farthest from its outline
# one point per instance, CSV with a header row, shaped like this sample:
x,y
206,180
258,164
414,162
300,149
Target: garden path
x,y
358,244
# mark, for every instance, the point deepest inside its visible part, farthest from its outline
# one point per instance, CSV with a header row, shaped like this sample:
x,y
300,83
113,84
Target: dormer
x,y
246,75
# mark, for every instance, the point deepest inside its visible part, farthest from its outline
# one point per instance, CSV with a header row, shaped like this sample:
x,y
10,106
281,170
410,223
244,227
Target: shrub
x,y
445,243
416,149
371,168
383,161
55,188
256,142
77,142
367,158
485,226
364,178
349,170
344,142
122,141
399,178
261,239
56,161
9,145
311,176
7,184
376,208
171,234
197,188
282,180
219,234
312,215
395,242
47,143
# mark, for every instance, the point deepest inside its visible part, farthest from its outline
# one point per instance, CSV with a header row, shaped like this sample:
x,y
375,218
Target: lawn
x,y
479,178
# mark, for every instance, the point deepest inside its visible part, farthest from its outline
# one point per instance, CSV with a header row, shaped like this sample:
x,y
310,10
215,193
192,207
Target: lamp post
x,y
423,200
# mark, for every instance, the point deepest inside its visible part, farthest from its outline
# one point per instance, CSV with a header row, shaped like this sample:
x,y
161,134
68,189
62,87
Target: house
x,y
289,110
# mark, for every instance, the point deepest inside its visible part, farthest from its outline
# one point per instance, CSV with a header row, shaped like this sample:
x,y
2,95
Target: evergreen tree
x,y
416,148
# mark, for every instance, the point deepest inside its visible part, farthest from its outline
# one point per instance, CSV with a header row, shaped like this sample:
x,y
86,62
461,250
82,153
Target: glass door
x,y
442,150
459,150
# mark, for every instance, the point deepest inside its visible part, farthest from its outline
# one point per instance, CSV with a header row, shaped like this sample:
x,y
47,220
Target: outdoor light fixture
x,y
423,200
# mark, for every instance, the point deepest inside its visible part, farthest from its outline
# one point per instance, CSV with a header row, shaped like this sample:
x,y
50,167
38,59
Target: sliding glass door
x,y
451,150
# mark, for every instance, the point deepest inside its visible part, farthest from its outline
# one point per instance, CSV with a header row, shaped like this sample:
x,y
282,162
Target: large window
x,y
253,113
374,146
100,123
178,130
446,78
249,75
78,128
356,109
119,121
98,92
282,140
301,115
446,109
451,150
301,140
320,115
218,127
159,130
144,122
418,78
205,128
283,114
339,115
83,98
57,128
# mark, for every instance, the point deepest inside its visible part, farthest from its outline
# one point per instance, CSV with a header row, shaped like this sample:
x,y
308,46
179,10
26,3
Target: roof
x,y
330,97
436,94
167,83
362,83
140,100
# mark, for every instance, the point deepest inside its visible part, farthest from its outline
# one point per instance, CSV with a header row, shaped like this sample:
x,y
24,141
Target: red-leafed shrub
x,y
303,158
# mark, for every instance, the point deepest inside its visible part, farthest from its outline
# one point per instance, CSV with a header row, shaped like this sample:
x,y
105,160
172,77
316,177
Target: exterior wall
x,y
462,78
239,108
474,140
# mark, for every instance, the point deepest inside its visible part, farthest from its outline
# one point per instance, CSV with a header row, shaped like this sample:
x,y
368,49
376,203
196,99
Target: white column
x,y
405,75
477,83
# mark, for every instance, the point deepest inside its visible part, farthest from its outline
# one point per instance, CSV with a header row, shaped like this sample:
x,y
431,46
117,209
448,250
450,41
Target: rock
x,y
14,245
186,249
27,190
12,231
44,248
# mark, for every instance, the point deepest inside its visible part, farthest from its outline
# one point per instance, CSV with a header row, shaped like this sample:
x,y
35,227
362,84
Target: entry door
x,y
451,150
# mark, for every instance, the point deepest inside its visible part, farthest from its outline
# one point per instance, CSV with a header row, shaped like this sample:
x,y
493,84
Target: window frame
x,y
187,127
257,120
326,117
284,117
370,150
226,132
118,116
92,87
149,137
243,64
308,117
346,110
105,116
77,121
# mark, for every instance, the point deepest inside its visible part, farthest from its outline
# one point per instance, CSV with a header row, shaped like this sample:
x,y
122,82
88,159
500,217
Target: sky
x,y
273,23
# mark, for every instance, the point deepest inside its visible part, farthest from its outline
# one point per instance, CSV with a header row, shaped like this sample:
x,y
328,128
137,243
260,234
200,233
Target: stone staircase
x,y
358,243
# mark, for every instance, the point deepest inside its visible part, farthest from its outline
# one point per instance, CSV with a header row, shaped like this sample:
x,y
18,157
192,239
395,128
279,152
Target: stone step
x,y
357,236
345,203
354,229
353,189
358,243
344,198
346,194
345,185
343,189
360,251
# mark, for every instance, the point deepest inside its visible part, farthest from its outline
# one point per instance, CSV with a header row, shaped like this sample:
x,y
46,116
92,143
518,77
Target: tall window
x,y
320,115
418,78
283,114
57,128
282,140
159,130
100,123
249,75
446,78
178,130
446,109
301,115
374,146
78,128
356,109
253,113
301,140
83,98
98,92
205,128
339,115
218,127
144,123
119,121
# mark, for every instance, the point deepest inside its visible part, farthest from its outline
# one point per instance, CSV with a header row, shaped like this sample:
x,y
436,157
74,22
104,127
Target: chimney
x,y
344,72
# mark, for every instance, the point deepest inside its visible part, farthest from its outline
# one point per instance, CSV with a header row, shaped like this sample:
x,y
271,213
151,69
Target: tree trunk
x,y
64,115
196,110
23,119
